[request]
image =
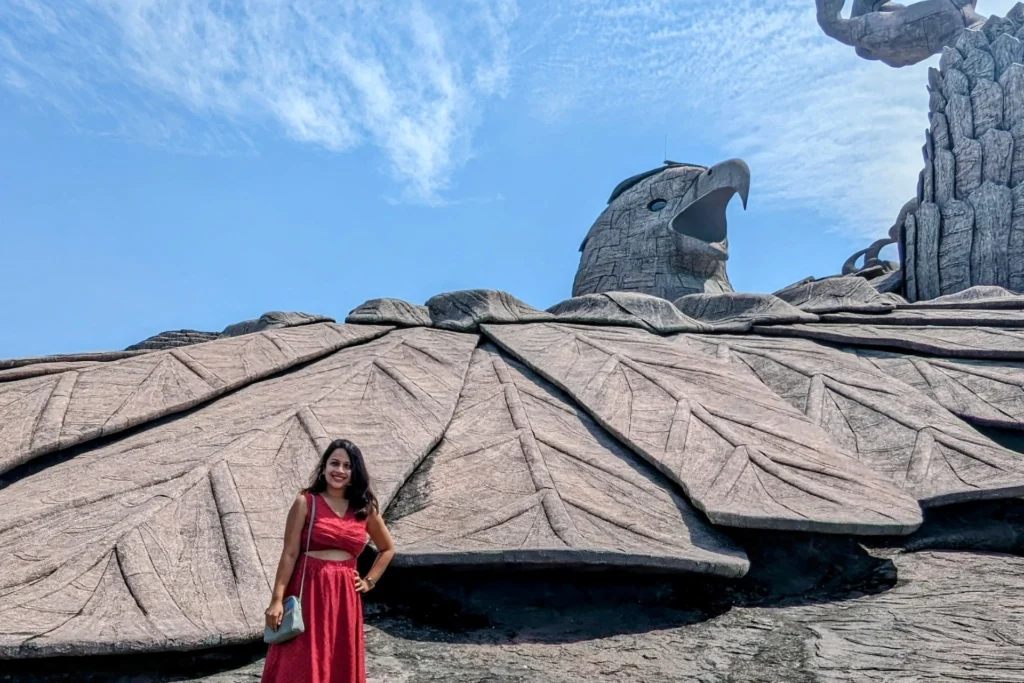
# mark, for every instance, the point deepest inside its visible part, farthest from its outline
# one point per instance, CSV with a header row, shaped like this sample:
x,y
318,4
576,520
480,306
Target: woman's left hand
x,y
362,585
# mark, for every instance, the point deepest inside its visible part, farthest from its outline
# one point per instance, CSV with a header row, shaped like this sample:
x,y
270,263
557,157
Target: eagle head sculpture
x,y
664,232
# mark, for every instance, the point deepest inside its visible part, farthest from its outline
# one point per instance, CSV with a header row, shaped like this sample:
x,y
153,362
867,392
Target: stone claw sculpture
x,y
895,34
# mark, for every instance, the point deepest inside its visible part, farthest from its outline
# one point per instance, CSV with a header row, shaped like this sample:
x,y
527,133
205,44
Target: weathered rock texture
x,y
173,339
169,538
965,231
762,465
273,320
142,505
830,295
836,613
740,312
524,476
390,312
629,309
912,439
43,414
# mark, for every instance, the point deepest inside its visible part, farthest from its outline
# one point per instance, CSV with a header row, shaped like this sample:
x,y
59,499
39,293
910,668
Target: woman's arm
x,y
286,565
385,551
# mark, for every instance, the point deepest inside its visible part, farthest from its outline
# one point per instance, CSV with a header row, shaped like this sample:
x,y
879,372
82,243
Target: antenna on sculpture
x,y
665,156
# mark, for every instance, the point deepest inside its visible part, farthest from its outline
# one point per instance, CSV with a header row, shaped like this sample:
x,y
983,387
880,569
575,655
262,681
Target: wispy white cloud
x,y
202,75
822,129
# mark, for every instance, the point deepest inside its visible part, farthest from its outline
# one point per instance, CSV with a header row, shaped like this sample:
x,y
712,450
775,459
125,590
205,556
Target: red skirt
x,y
331,648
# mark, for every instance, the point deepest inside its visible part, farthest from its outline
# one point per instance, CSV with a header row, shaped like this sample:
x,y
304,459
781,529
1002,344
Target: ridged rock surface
x,y
968,229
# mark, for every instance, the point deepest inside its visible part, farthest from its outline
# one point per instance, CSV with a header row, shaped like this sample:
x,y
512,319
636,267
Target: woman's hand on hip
x,y
362,585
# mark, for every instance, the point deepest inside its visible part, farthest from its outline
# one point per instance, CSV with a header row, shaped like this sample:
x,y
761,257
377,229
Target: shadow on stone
x,y
573,604
981,526
161,667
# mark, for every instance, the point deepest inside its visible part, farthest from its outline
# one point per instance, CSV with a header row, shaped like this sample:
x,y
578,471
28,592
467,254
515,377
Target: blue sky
x,y
169,164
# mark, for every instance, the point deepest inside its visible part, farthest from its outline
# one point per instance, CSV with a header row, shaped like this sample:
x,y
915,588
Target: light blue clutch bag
x,y
291,622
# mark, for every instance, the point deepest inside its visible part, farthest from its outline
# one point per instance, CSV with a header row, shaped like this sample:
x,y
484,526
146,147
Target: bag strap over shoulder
x,y
309,534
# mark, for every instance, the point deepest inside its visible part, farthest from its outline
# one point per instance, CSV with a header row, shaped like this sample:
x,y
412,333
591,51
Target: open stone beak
x,y
700,228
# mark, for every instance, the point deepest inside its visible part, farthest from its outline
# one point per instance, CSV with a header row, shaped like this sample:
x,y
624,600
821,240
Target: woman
x,y
330,650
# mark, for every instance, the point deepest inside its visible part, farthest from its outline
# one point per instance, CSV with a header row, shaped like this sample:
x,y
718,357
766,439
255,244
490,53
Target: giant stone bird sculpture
x,y
639,424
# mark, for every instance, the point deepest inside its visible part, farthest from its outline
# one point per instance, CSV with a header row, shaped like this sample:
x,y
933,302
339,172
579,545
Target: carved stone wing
x,y
979,391
740,453
170,537
949,341
43,414
524,475
919,317
889,426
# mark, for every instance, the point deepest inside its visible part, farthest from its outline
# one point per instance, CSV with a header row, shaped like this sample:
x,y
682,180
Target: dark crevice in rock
x,y
573,604
981,526
160,667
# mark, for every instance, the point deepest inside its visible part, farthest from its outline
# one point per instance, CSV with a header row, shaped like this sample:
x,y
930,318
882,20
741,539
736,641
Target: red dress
x,y
331,648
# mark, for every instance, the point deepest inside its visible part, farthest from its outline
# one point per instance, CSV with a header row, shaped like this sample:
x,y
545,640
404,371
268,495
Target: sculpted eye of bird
x,y
664,232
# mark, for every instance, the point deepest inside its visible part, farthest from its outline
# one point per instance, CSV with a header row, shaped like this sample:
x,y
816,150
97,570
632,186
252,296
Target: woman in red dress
x,y
330,650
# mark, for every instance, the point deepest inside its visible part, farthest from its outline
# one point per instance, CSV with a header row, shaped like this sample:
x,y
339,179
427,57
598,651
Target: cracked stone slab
x,y
835,294
898,432
524,476
984,297
952,342
274,320
979,391
465,311
922,317
169,539
736,312
45,414
630,309
389,312
741,454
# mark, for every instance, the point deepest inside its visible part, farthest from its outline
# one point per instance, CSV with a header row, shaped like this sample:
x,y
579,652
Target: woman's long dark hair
x,y
358,493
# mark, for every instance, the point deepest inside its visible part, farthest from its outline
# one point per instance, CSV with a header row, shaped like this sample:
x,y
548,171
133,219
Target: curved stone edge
x,y
466,310
834,295
981,297
89,357
41,369
829,333
122,647
388,311
923,317
735,312
627,309
273,320
564,558
172,339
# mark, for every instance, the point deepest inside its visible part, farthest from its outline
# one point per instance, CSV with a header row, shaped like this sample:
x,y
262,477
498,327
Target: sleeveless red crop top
x,y
334,532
